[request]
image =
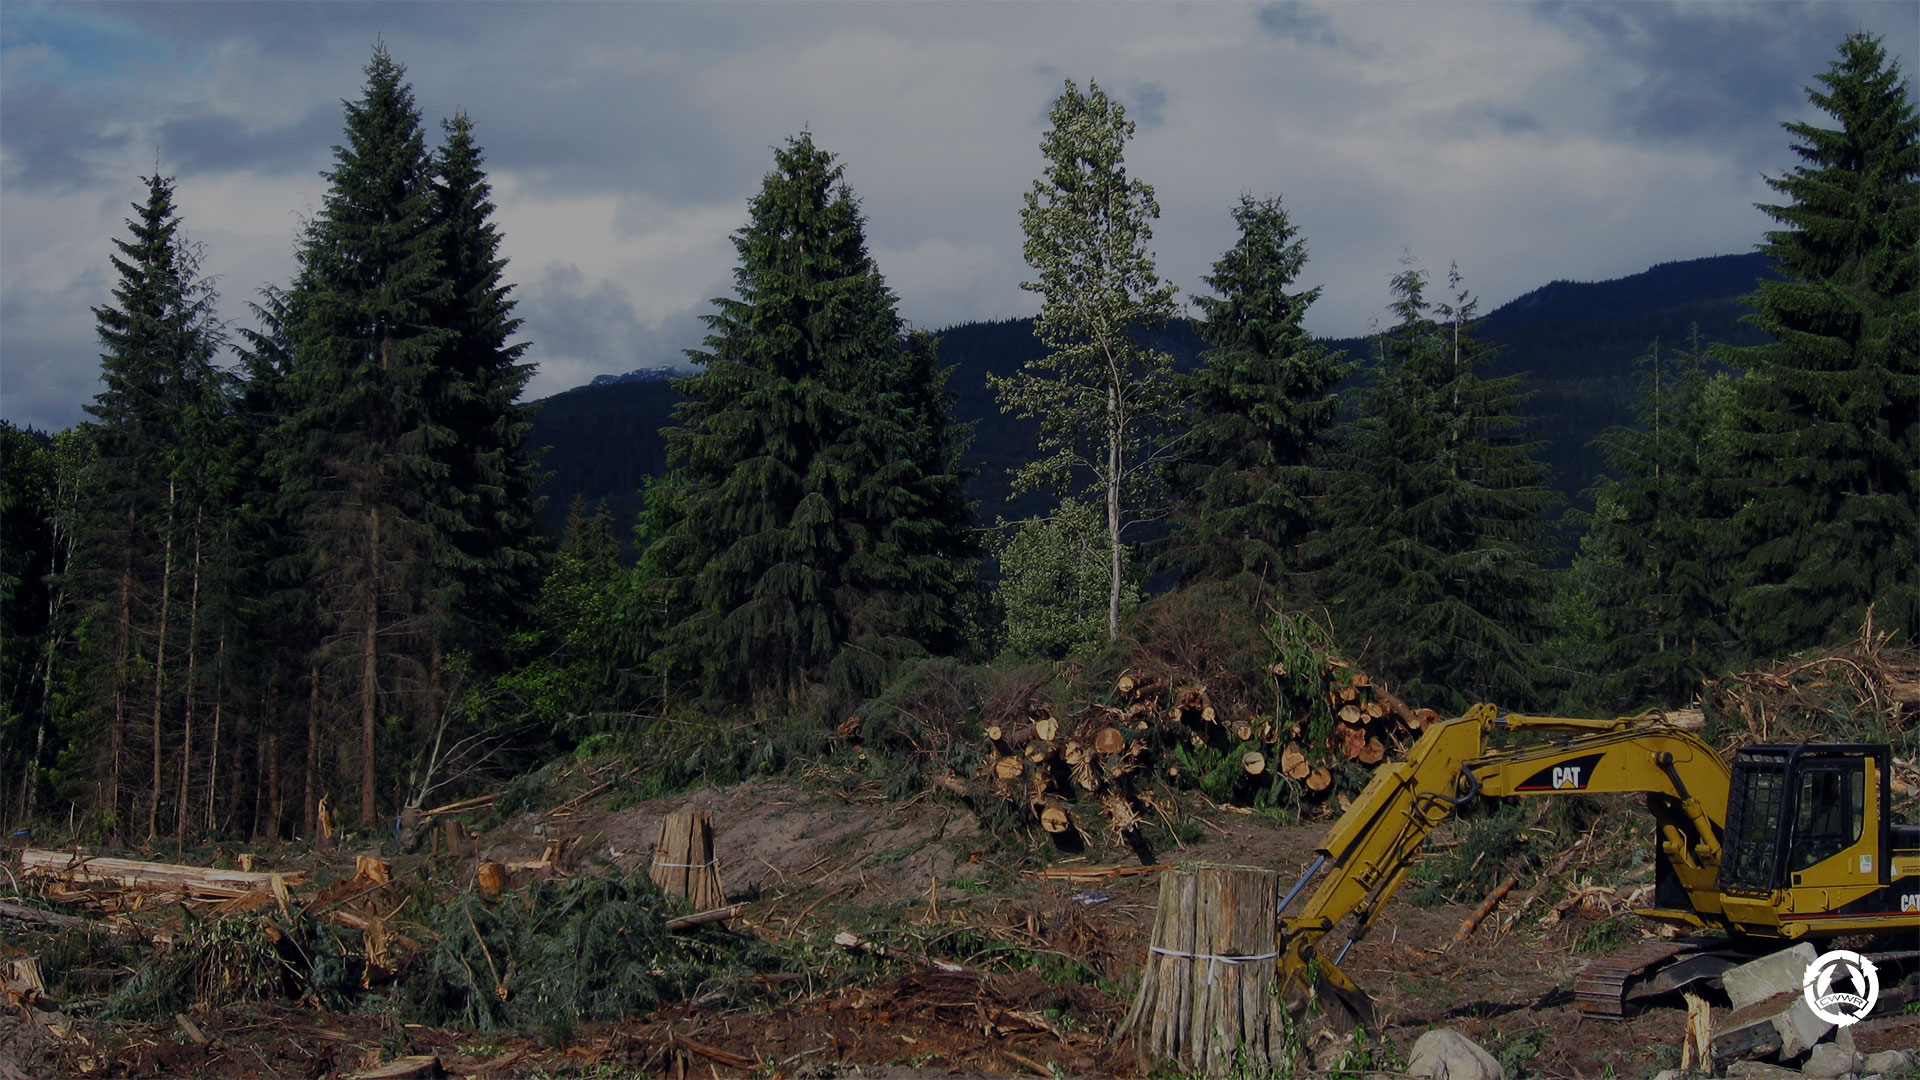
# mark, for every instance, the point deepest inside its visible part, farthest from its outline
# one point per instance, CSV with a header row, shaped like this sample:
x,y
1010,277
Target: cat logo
x,y
1573,774
1910,902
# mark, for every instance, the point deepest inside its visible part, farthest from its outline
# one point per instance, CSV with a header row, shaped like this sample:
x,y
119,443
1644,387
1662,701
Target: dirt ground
x,y
971,983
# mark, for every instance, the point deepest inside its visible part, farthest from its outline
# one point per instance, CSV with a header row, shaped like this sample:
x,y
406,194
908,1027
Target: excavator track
x,y
1601,989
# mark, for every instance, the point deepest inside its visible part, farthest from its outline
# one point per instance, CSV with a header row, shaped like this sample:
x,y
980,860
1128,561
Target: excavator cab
x,y
1806,816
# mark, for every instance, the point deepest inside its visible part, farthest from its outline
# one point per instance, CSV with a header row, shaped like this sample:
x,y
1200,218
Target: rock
x,y
1799,1028
1887,1061
1668,1074
1829,1061
1759,1070
1844,1039
1448,1055
1776,973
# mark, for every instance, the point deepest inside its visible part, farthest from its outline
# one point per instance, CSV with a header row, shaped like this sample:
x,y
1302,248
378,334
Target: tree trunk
x,y
1207,1000
193,659
369,667
311,809
1115,429
160,668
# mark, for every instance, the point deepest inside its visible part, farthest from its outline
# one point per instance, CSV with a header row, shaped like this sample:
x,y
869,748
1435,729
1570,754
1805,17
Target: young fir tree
x,y
1438,533
1099,394
1827,419
812,530
485,532
156,473
1259,411
358,446
1654,560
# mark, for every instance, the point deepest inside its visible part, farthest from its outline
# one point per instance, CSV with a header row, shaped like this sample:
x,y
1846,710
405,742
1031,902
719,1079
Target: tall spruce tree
x,y
812,531
359,445
1100,394
1654,559
486,535
1259,412
156,472
1438,536
1827,421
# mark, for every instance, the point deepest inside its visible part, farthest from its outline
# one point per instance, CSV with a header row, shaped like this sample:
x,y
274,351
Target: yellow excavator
x,y
1791,842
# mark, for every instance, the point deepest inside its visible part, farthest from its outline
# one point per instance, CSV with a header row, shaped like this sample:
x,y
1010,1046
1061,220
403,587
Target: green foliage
x,y
1516,1051
217,962
1826,432
1259,410
813,533
1437,541
1644,604
564,952
1054,585
1487,849
1099,392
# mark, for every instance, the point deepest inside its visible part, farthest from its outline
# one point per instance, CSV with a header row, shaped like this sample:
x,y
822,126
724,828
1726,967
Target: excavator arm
x,y
1366,855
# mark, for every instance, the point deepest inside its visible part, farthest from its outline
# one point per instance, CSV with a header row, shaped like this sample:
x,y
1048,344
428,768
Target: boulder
x,y
1830,1061
1799,1029
1887,1061
1771,975
1759,1070
1448,1055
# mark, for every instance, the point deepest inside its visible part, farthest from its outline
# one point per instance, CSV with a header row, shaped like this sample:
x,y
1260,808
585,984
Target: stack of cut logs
x,y
1046,765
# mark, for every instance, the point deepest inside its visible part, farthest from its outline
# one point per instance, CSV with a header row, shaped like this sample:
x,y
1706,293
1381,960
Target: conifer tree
x,y
359,444
486,536
1827,418
1654,558
1438,536
1259,411
1099,394
813,530
156,472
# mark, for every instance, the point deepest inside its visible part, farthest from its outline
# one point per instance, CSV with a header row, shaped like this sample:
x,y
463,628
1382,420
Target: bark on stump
x,y
1207,1003
684,863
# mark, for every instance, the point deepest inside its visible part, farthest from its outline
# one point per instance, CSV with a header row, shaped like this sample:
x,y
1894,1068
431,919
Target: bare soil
x,y
988,969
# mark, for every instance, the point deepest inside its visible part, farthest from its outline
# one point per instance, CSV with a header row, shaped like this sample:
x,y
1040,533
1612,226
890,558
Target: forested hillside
x,y
1578,343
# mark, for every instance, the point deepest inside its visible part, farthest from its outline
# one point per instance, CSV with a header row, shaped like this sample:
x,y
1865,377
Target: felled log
x,y
1293,763
411,1067
1207,1002
1011,767
1372,752
1319,780
1194,705
1136,686
1040,750
1109,740
1046,728
1055,817
1253,763
702,918
200,881
1242,730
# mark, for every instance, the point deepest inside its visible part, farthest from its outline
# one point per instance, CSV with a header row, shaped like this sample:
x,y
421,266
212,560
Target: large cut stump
x,y
1207,1004
684,863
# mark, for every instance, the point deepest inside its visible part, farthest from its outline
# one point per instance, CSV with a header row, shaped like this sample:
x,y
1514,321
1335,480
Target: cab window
x,y
1828,812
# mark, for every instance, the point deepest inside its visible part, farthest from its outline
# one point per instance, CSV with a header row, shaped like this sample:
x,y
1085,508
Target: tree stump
x,y
684,863
1207,1000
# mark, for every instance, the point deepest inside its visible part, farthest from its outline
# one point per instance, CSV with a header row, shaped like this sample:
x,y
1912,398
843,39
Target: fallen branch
x,y
715,1054
701,918
1486,908
1094,873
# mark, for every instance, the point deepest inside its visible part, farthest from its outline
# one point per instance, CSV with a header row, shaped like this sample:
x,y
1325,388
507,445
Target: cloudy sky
x,y
1529,142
